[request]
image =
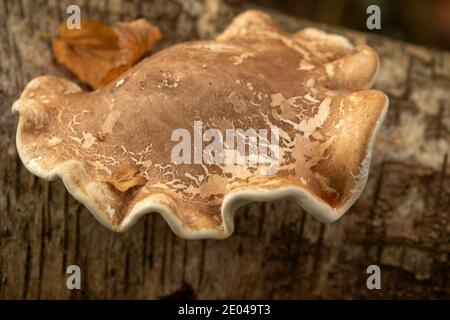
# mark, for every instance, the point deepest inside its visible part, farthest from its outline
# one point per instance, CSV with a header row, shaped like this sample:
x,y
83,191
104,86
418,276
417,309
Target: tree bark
x,y
401,222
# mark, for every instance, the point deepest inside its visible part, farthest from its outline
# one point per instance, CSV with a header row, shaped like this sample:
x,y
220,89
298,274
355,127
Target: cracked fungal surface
x,y
112,147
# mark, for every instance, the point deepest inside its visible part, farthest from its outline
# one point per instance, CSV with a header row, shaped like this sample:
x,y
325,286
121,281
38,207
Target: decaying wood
x,y
401,222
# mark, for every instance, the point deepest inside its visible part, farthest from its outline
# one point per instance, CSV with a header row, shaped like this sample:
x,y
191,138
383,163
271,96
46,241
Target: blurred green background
x,y
418,21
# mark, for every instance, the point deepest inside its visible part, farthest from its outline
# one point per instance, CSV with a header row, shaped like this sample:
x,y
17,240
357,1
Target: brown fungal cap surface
x,y
113,147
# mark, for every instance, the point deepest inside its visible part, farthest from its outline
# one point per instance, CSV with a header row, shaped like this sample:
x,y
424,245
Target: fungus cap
x,y
113,147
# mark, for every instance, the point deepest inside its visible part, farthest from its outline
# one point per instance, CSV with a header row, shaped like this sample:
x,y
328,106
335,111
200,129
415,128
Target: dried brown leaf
x,y
98,54
126,178
135,38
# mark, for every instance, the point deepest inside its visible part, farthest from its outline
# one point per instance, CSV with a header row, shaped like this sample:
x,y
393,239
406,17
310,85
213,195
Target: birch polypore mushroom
x,y
302,98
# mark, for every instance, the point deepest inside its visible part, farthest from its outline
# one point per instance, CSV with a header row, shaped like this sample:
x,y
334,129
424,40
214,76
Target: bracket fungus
x,y
113,147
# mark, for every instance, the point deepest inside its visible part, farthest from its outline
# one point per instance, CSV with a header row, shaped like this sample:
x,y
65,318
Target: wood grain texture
x,y
401,222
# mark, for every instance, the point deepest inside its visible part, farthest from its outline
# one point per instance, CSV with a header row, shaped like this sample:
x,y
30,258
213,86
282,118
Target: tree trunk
x,y
401,222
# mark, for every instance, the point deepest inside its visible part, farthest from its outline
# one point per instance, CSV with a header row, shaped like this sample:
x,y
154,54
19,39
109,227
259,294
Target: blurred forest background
x,y
422,22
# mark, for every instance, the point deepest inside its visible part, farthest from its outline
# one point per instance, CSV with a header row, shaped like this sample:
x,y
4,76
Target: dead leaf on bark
x,y
98,54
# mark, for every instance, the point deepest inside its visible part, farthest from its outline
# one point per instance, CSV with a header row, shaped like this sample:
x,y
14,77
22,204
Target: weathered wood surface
x,y
401,222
